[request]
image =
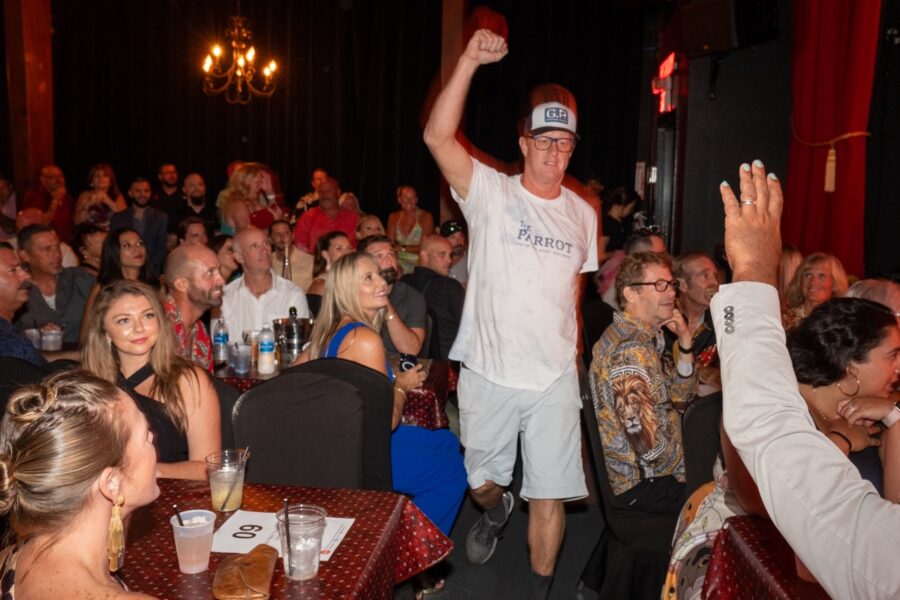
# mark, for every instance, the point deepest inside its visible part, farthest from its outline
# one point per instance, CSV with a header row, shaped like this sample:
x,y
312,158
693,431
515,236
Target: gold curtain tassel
x,y
830,169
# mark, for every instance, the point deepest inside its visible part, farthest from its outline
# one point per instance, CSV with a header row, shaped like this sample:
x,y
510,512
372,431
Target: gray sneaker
x,y
481,540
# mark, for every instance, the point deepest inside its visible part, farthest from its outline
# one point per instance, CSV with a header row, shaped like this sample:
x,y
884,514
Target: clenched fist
x,y
486,47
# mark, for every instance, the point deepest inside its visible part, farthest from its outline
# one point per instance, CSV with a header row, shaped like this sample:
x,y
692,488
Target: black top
x,y
444,298
171,444
615,231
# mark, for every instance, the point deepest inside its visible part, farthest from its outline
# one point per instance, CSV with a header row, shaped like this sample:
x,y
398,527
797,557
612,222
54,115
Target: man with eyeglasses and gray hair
x,y
529,240
637,392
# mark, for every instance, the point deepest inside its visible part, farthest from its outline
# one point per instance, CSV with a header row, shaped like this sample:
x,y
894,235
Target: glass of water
x,y
301,530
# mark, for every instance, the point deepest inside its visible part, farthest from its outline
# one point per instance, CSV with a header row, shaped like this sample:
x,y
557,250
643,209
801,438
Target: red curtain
x,y
835,44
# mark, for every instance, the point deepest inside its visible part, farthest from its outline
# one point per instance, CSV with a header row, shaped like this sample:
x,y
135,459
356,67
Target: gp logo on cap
x,y
556,114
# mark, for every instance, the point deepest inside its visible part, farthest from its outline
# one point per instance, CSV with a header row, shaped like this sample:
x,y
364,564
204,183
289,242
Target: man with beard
x,y
14,286
168,194
311,199
696,274
195,285
455,232
58,295
193,204
636,392
149,222
405,319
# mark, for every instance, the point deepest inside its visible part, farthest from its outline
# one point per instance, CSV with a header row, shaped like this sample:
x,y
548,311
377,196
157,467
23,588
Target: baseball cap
x,y
550,116
448,228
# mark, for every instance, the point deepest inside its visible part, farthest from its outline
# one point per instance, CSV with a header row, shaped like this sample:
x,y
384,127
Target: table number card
x,y
245,529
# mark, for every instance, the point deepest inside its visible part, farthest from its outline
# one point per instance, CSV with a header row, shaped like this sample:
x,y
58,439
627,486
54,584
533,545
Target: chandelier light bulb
x,y
235,75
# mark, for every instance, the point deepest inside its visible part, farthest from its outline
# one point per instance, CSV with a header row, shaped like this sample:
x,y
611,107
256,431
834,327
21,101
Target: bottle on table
x,y
286,264
220,344
265,363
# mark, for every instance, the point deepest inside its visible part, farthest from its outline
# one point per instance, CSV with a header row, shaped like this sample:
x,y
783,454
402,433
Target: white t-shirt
x,y
243,311
518,326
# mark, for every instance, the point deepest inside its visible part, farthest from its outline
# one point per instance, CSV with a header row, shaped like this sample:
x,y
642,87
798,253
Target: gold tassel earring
x,y
116,540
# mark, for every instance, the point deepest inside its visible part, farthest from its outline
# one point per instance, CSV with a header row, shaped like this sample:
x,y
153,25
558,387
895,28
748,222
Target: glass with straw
x,y
226,478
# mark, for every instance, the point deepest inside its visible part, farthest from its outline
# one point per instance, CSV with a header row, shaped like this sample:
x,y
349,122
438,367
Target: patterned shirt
x,y
195,343
636,390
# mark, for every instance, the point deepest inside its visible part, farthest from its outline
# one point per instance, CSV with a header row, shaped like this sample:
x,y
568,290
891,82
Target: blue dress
x,y
426,465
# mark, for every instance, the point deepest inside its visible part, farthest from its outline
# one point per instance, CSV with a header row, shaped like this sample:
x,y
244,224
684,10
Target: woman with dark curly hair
x,y
846,351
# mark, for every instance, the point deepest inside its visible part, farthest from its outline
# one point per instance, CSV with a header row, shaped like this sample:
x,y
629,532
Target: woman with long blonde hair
x,y
240,200
131,343
425,464
76,458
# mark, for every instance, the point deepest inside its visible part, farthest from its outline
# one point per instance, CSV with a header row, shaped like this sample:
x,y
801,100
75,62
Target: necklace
x,y
815,405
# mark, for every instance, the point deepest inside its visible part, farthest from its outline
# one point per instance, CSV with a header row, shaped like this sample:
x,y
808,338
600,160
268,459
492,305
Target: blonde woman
x,y
820,277
76,457
240,200
130,342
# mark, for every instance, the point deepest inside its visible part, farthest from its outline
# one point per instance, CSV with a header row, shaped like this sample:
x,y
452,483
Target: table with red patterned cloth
x,y
751,559
425,406
389,542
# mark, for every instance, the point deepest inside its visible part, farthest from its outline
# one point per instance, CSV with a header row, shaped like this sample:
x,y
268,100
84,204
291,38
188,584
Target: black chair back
x,y
14,373
302,429
631,557
702,444
596,317
378,396
228,397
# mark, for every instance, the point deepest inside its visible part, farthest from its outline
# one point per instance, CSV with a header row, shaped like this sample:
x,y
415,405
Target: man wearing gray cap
x,y
529,240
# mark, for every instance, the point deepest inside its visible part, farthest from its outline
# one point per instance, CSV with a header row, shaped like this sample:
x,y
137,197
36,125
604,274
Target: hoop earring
x,y
855,392
116,540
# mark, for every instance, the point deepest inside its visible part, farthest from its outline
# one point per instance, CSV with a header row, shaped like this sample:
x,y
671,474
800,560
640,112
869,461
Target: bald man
x,y
444,296
260,295
195,285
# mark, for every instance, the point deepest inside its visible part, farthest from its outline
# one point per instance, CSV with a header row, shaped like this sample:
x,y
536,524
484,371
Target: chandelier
x,y
238,81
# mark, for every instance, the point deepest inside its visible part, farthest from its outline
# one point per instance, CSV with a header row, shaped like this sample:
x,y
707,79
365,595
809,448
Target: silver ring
x,y
747,202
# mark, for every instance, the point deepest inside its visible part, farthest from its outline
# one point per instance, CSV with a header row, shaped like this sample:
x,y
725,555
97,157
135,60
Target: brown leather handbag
x,y
246,576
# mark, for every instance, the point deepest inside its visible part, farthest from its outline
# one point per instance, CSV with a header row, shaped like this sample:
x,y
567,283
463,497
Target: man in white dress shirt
x,y
260,295
842,530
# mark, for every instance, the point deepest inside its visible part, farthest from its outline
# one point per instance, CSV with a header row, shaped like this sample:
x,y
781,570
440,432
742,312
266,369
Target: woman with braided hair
x,y
76,457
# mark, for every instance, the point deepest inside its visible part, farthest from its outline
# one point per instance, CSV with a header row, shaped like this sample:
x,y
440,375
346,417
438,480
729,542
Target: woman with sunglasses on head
x,y
130,342
76,458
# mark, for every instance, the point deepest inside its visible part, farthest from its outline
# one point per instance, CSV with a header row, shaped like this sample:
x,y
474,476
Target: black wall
x,y
748,118
883,153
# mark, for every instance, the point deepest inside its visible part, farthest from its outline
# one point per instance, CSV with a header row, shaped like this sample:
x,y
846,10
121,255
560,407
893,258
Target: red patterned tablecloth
x,y
390,541
751,559
425,407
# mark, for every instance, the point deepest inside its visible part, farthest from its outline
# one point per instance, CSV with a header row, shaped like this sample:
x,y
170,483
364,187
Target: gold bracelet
x,y
397,388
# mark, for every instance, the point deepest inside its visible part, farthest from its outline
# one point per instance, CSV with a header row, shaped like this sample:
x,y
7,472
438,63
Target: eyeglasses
x,y
542,142
660,285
